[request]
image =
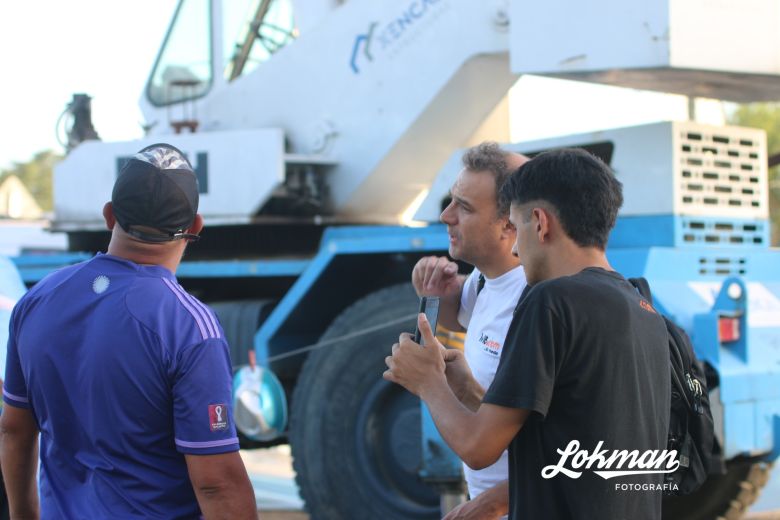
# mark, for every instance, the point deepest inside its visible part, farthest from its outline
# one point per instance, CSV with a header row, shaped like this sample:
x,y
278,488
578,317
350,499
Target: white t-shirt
x,y
486,319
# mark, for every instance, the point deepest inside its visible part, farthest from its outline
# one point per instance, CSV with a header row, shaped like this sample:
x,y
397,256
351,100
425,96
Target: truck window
x,y
253,30
183,69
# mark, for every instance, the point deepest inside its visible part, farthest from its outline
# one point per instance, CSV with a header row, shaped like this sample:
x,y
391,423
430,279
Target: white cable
x,y
351,335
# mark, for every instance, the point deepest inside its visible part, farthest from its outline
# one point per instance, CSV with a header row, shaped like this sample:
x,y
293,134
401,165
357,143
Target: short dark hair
x,y
579,186
489,157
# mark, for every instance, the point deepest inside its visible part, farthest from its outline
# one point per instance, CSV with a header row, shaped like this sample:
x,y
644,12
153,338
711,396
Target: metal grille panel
x,y
724,232
723,266
720,171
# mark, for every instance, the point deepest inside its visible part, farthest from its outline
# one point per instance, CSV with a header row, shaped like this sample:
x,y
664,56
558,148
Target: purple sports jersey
x,y
124,372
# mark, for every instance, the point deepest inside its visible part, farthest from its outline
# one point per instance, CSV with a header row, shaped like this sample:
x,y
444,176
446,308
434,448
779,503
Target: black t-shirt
x,y
590,358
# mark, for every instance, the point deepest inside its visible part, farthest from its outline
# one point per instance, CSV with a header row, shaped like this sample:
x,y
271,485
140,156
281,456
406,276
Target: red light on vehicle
x,y
728,329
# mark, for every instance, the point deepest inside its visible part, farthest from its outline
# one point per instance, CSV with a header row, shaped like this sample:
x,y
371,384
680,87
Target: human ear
x,y
197,225
508,230
542,222
108,215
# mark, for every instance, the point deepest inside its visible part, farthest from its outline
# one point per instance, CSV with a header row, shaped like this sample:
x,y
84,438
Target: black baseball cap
x,y
155,197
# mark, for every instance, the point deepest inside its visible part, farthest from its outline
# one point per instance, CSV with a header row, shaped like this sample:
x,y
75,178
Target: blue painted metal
x,y
250,268
644,231
292,297
35,267
686,280
705,326
749,368
689,231
350,240
690,286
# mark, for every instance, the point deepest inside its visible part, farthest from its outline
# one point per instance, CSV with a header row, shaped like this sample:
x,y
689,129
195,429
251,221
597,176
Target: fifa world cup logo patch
x,y
218,417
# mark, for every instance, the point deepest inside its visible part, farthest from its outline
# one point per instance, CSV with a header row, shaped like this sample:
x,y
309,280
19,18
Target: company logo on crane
x,y
382,38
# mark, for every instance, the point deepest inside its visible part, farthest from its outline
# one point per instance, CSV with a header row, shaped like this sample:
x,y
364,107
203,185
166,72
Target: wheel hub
x,y
388,445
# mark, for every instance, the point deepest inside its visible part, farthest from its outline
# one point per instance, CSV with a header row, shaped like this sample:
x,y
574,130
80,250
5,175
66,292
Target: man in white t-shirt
x,y
480,304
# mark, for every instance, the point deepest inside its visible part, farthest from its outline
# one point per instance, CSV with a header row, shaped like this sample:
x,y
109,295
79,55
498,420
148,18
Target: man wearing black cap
x,y
125,375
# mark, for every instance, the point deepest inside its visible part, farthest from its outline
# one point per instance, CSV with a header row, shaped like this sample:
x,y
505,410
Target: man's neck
x,y
570,259
144,258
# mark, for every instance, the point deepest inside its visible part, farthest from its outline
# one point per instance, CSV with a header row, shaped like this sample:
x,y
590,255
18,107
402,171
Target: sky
x,y
51,49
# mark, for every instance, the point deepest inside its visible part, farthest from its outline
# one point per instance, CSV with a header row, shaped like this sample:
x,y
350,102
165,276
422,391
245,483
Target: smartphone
x,y
430,306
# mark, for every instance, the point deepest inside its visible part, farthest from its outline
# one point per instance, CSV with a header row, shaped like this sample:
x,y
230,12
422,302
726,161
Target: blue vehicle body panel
x,y
690,231
357,240
34,268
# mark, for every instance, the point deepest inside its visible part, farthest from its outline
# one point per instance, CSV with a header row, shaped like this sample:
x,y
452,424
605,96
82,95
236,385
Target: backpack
x,y
691,427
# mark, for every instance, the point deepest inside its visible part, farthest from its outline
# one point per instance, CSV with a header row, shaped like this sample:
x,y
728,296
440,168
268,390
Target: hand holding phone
x,y
430,306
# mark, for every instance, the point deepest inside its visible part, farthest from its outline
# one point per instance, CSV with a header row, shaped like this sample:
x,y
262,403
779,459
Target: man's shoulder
x,y
587,280
547,291
176,316
561,296
50,282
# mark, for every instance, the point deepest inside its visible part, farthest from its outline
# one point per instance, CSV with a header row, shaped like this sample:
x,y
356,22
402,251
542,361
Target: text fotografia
x,y
611,463
666,488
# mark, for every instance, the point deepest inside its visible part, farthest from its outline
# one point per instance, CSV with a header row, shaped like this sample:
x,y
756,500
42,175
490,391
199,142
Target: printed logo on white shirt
x,y
490,346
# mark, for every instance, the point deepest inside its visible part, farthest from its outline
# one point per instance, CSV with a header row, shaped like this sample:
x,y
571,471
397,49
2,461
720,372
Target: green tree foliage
x,y
767,117
36,174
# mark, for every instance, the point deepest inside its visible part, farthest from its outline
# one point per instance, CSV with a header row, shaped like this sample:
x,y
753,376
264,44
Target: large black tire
x,y
356,439
240,320
722,497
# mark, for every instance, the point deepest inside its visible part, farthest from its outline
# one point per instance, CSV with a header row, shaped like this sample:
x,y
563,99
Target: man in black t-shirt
x,y
582,392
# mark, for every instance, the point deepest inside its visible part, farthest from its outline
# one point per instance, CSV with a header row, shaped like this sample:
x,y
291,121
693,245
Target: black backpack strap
x,y
680,363
643,288
681,353
683,350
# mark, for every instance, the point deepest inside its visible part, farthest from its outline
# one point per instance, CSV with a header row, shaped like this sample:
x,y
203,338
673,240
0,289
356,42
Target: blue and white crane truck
x,y
326,134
